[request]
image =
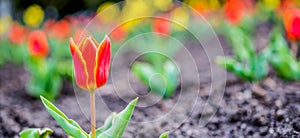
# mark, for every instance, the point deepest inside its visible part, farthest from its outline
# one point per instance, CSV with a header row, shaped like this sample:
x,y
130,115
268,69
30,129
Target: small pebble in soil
x,y
280,115
296,125
263,131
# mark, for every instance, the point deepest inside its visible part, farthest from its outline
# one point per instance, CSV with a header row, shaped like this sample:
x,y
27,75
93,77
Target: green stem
x,y
93,113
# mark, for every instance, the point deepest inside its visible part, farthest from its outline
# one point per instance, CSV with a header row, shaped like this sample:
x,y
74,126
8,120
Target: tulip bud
x,y
91,62
38,44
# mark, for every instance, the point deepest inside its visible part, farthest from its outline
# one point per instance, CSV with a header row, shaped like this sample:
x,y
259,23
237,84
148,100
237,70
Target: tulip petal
x,y
88,51
38,44
102,62
80,69
72,46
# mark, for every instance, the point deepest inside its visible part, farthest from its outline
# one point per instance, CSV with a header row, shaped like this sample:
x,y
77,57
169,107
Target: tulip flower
x,y
292,29
38,44
17,34
58,29
91,66
161,25
118,34
292,24
91,62
235,10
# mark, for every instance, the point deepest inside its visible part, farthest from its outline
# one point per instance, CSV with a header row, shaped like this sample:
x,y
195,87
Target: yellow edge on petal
x,y
96,43
85,41
82,41
97,57
84,64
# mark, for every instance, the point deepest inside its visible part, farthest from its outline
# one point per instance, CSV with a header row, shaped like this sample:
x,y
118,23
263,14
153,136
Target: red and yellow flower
x,y
91,62
38,44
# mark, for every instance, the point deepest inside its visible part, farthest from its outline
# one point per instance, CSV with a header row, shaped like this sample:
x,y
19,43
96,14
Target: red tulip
x,y
235,10
38,44
91,62
161,25
118,34
17,33
292,24
59,29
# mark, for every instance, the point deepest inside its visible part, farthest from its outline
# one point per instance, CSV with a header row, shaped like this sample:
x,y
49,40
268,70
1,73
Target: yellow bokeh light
x,y
271,4
33,15
133,10
108,12
5,22
181,18
163,5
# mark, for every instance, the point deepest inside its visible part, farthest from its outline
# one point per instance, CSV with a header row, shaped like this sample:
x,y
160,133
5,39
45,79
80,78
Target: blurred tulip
x,y
59,29
292,24
48,24
91,62
235,10
33,15
161,25
38,44
289,4
17,34
118,34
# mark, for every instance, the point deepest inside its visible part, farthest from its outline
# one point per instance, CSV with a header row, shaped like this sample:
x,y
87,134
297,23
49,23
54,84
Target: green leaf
x,y
164,135
68,125
172,74
107,124
152,78
143,71
116,124
242,46
279,55
36,133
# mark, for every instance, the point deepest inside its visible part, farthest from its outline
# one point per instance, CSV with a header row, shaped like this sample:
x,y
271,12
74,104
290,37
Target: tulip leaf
x,y
143,71
161,79
107,124
280,57
246,63
172,74
68,125
36,133
115,124
164,135
149,75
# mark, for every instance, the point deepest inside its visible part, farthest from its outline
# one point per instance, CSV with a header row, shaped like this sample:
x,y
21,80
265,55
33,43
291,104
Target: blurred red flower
x,y
292,24
59,29
235,10
17,33
118,34
161,25
91,62
38,44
